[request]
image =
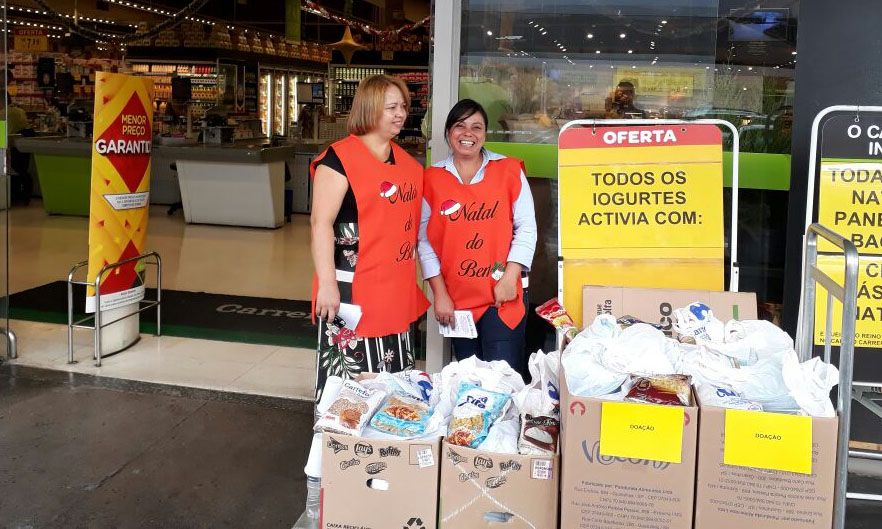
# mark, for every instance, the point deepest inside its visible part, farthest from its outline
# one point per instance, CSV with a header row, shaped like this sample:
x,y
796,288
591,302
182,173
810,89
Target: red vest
x,y
389,200
471,228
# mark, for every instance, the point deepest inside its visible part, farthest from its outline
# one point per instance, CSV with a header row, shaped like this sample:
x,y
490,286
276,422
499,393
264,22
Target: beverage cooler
x,y
292,100
264,100
279,106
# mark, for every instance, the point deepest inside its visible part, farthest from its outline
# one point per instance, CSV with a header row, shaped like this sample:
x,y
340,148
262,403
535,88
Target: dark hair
x,y
463,109
626,84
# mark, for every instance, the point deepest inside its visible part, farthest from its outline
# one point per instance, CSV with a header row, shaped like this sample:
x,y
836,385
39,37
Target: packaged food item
x,y
552,312
628,320
672,390
475,411
402,415
351,410
711,395
538,435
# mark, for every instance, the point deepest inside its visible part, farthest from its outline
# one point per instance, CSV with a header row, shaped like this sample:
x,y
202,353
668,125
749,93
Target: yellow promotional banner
x,y
120,192
868,325
849,198
640,206
773,441
642,431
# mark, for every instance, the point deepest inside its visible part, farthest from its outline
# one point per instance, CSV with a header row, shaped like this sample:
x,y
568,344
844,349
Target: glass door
x,y
5,351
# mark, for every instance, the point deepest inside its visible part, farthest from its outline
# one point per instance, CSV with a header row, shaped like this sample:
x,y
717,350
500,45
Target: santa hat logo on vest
x,y
448,207
387,189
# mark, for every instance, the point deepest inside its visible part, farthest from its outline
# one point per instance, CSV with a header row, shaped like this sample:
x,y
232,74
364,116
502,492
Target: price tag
x,y
541,469
773,441
642,431
425,458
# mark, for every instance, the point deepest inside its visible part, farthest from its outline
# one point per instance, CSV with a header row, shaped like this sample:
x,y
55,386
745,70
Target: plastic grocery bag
x,y
810,383
639,349
750,340
538,406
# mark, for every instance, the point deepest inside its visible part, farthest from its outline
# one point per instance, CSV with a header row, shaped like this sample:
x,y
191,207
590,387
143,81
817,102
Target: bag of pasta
x,y
402,415
476,410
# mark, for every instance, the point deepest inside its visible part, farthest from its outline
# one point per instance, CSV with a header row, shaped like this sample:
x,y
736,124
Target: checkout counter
x,y
238,184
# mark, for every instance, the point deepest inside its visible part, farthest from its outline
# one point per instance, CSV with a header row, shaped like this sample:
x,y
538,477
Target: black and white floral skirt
x,y
340,352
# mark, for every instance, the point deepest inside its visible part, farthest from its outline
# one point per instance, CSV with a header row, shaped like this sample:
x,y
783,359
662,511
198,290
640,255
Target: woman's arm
x,y
443,304
328,190
523,244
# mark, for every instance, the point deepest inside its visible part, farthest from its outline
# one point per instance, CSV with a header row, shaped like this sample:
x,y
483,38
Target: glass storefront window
x,y
538,64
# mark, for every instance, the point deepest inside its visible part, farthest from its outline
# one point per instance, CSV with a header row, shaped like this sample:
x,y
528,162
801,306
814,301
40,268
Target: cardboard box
x,y
522,489
732,497
355,470
602,492
656,305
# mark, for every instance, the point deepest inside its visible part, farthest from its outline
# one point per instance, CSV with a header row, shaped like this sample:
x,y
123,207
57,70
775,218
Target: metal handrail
x,y
96,317
846,293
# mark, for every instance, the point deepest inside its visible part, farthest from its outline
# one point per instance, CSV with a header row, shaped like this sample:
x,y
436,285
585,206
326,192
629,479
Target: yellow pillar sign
x,y
120,191
640,206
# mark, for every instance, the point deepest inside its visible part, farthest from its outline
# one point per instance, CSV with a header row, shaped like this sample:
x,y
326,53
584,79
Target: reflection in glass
x,y
536,65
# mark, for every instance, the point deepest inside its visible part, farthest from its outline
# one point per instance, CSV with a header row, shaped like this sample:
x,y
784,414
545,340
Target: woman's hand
x,y
327,301
444,309
506,289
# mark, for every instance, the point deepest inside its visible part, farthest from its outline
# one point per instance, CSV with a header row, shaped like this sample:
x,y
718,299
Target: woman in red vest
x,y
477,239
366,200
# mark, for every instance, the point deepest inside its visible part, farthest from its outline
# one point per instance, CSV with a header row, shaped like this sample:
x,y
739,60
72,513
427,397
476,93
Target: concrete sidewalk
x,y
79,451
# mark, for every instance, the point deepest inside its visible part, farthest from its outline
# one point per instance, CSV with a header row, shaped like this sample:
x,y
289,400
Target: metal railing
x,y
96,318
845,293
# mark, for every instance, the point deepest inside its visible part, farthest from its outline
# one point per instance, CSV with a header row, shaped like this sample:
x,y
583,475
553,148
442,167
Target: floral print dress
x,y
343,353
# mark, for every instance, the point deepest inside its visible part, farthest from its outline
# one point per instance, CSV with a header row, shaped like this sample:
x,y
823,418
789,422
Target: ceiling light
x,y
489,33
589,36
630,51
622,35
664,21
597,52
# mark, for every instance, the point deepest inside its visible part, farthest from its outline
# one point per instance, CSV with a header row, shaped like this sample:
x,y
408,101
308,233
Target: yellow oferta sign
x,y
640,206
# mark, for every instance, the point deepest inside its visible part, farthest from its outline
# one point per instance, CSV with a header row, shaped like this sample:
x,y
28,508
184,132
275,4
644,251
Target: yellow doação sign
x,y
642,431
773,441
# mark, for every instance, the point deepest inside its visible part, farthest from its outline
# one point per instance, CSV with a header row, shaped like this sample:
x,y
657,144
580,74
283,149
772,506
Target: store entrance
x,y
238,113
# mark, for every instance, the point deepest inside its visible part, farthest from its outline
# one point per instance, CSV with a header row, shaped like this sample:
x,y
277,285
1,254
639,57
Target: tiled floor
x,y
218,259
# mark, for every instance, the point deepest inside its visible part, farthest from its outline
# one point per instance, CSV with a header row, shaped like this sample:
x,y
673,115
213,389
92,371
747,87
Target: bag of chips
x,y
351,410
672,390
476,410
402,415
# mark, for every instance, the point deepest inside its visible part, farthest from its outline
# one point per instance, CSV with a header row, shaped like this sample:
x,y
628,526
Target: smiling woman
x,y
366,194
477,239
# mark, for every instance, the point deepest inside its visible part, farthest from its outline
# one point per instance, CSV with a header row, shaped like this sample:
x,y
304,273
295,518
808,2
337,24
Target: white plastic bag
x,y
538,406
711,395
810,383
639,349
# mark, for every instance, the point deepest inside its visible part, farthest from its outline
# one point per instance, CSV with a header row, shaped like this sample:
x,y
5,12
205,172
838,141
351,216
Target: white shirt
x,y
523,243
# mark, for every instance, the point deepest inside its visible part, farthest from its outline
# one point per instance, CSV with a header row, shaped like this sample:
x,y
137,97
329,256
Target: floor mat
x,y
188,314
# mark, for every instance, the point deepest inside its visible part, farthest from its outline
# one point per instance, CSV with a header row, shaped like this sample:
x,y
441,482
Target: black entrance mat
x,y
188,314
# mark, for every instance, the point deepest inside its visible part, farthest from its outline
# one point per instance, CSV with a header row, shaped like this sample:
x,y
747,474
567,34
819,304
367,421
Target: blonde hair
x,y
370,98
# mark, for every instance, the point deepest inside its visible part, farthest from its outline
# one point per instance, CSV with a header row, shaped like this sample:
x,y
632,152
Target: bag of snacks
x,y
476,410
552,312
351,410
672,390
402,415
